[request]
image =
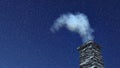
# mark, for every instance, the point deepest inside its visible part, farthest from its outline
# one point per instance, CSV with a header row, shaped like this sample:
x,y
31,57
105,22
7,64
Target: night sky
x,y
27,42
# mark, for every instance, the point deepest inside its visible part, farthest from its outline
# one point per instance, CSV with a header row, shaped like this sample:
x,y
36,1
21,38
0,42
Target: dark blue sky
x,y
27,42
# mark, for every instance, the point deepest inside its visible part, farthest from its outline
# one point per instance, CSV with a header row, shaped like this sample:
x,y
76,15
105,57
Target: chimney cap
x,y
87,44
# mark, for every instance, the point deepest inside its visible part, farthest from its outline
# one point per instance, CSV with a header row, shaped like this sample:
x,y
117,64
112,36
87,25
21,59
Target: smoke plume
x,y
75,23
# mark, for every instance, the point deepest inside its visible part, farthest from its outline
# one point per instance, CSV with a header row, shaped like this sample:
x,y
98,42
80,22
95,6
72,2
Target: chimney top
x,y
88,44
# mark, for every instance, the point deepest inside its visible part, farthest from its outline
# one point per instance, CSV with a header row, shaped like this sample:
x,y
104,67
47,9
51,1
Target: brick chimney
x,y
90,55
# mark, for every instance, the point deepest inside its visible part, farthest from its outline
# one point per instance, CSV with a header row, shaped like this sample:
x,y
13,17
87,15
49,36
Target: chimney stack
x,y
90,55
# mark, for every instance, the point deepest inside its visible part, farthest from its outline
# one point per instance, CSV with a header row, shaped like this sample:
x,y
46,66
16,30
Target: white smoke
x,y
76,23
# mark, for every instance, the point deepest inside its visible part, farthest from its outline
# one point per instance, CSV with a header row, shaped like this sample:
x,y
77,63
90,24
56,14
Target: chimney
x,y
90,55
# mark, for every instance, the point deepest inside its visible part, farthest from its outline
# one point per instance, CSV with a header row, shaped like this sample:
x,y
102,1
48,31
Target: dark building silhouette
x,y
90,55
